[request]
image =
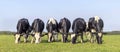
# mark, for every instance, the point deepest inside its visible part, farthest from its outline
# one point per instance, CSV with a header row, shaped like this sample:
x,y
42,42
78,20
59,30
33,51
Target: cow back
x,y
22,26
79,25
38,25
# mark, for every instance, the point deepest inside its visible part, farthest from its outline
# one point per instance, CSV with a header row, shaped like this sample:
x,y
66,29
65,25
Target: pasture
x,y
111,43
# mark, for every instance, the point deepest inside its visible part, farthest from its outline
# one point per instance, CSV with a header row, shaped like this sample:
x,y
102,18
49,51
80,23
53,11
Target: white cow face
x,y
37,37
17,38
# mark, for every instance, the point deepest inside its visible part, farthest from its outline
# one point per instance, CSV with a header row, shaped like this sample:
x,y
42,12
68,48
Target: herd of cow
x,y
94,26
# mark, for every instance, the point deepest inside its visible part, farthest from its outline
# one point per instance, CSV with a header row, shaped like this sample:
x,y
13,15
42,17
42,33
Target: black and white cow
x,y
52,28
37,29
64,26
23,29
78,27
96,28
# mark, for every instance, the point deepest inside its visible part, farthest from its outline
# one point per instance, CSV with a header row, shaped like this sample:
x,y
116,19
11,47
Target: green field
x,y
111,44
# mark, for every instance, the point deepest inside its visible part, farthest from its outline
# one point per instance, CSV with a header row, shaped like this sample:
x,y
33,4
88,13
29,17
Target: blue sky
x,y
13,10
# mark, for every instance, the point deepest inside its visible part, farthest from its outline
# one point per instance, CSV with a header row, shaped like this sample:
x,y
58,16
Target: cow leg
x,y
56,36
66,36
95,39
17,38
25,37
92,38
53,38
49,37
40,37
93,33
88,36
81,37
37,37
99,38
73,37
62,37
33,38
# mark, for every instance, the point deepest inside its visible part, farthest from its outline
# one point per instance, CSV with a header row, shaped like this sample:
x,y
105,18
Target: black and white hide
x,y
78,27
52,28
96,28
37,29
23,29
64,26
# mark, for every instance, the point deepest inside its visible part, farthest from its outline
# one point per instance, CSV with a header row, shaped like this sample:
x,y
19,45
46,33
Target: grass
x,y
111,44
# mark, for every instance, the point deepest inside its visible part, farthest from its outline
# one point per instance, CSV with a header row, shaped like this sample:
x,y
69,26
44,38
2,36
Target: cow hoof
x,y
81,41
49,41
16,42
31,42
64,41
73,43
99,42
25,41
37,42
91,41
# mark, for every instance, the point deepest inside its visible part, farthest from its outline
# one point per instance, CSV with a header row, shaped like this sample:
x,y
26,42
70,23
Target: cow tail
x,y
37,25
65,28
75,27
19,27
50,28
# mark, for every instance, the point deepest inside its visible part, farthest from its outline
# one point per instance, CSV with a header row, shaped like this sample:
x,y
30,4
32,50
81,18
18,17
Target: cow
x,y
64,26
52,29
96,28
37,29
78,27
23,29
